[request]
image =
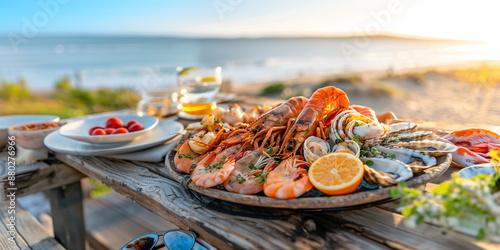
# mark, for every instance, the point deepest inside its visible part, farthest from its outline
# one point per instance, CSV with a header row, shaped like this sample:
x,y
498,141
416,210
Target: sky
x,y
453,19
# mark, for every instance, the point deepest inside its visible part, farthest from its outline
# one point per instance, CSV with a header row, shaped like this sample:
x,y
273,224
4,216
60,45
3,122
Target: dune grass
x,y
64,101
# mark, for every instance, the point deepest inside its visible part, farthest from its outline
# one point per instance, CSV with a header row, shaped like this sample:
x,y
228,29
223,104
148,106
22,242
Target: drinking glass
x,y
159,94
198,87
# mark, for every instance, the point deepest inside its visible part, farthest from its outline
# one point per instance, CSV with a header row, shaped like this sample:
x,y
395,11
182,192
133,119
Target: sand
x,y
436,95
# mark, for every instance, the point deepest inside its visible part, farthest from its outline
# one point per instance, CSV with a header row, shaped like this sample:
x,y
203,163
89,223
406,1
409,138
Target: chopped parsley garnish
x,y
261,177
252,167
186,155
369,163
393,156
217,121
270,151
337,141
357,138
363,153
240,178
216,166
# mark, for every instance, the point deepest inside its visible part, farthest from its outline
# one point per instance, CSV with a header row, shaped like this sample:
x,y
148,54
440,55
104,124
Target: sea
x,y
137,61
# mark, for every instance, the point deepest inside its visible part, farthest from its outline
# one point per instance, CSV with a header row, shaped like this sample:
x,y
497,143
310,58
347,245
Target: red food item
x,y
94,128
99,131
114,122
109,130
119,131
135,127
130,123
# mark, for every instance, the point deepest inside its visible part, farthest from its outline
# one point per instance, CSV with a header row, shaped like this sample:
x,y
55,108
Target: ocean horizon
x,y
136,61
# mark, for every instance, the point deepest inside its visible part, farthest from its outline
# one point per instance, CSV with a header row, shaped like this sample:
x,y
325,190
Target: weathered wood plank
x,y
222,224
29,233
66,204
113,220
389,228
37,178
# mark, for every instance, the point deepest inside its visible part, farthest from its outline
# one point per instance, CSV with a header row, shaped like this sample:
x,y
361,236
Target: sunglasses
x,y
174,239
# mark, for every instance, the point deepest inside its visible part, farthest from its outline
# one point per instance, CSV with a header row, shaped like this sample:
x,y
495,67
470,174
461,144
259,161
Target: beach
x,y
443,94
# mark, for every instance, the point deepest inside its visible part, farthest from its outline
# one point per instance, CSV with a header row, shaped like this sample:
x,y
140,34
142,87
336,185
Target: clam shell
x,y
348,146
416,160
432,148
314,148
386,171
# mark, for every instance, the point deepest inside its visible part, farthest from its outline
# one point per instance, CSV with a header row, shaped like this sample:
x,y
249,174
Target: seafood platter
x,y
306,153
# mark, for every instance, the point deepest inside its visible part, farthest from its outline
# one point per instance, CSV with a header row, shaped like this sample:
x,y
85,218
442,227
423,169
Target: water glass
x,y
198,87
159,103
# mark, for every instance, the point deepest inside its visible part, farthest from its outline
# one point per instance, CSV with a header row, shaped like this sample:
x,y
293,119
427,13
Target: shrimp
x,y
248,176
366,111
215,168
278,116
323,102
288,180
185,158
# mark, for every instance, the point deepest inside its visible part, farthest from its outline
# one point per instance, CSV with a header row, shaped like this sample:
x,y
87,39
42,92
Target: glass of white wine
x,y
198,87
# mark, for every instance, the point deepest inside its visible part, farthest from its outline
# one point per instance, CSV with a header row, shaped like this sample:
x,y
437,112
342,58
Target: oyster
x,y
432,148
413,136
314,148
385,171
348,146
416,160
401,127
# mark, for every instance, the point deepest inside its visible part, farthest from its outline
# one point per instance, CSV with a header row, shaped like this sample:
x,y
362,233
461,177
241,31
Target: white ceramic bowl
x,y
79,130
32,139
13,120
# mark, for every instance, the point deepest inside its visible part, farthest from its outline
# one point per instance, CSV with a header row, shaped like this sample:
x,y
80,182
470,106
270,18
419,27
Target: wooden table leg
x,y
66,203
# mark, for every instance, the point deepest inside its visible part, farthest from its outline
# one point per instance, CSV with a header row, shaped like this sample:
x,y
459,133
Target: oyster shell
x,y
432,148
413,136
401,127
385,171
314,148
348,146
416,160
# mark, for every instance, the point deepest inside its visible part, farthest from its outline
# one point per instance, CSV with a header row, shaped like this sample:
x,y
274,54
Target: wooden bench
x,y
24,232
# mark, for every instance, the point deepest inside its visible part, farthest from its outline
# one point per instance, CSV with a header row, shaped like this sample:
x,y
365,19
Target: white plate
x,y
13,120
165,130
79,130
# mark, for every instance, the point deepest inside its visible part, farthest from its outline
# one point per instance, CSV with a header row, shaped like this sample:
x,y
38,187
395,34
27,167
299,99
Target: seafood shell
x,y
401,127
348,146
413,136
432,148
346,126
416,160
386,171
314,148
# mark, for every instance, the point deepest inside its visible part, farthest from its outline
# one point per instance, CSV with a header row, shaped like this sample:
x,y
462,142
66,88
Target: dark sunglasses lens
x,y
178,240
143,242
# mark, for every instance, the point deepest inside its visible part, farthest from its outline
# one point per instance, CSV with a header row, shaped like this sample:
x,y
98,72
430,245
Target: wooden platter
x,y
357,198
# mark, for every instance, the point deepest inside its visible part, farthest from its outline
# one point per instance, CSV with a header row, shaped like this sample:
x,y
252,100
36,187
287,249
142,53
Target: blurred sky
x,y
455,19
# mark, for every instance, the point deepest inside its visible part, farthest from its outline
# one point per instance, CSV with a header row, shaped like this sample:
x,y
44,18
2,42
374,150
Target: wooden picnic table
x,y
228,225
